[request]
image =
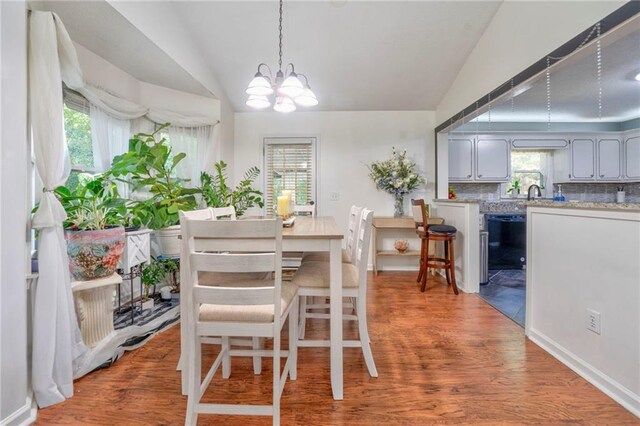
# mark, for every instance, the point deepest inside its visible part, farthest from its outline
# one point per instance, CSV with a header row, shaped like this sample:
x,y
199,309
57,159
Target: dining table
x,y
315,234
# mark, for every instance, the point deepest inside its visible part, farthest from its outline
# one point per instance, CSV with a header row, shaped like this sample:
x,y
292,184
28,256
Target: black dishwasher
x,y
507,240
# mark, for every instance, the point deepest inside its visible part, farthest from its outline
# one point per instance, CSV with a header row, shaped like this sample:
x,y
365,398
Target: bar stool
x,y
445,233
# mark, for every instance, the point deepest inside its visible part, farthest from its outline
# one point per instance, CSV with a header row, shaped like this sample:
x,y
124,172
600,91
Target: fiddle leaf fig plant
x,y
216,192
149,167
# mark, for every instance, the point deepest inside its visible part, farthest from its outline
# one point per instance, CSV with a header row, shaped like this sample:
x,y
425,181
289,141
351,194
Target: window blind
x,y
289,166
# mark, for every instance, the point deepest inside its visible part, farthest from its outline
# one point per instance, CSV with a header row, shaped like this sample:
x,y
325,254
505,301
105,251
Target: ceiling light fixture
x,y
288,90
638,76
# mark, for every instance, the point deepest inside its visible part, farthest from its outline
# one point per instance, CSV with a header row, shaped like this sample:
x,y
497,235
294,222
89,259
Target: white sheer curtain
x,y
110,137
56,338
198,144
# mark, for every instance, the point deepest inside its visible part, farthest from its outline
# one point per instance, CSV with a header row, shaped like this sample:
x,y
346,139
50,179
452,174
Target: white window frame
x,y
546,176
292,140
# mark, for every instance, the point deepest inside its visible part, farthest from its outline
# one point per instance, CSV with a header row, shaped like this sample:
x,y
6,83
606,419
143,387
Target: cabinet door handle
x,y
468,176
569,175
591,175
601,176
479,175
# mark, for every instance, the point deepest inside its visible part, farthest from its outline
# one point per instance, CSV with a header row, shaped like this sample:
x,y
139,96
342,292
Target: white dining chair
x,y
308,209
224,212
348,253
312,279
216,279
239,310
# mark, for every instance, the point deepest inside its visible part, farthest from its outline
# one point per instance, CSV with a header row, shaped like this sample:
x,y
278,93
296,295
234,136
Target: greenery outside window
x,y
77,129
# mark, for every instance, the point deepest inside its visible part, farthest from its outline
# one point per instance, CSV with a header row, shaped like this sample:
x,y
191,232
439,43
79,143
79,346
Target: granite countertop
x,y
457,200
584,205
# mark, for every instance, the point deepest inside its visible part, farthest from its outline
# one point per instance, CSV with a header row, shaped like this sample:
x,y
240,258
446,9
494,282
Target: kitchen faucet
x,y
529,191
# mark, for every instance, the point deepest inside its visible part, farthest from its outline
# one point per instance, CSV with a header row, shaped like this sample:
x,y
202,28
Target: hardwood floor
x,y
442,359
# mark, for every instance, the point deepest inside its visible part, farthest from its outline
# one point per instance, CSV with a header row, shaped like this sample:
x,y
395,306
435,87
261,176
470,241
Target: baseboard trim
x,y
23,416
606,384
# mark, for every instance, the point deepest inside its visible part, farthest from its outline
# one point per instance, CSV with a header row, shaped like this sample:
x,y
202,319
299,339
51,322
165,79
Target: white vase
x,y
167,241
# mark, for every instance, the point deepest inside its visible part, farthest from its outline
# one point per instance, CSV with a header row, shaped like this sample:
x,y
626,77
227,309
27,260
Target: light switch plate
x,y
593,321
334,196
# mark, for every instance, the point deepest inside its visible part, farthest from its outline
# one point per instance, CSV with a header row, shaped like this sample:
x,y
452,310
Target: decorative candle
x,y
283,206
289,194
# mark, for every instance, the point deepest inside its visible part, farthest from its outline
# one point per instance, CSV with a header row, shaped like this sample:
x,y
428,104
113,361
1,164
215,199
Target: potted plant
x,y
94,234
397,176
216,192
154,274
149,166
514,189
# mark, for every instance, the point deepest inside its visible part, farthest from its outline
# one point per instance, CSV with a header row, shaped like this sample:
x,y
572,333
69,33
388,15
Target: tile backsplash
x,y
599,192
478,191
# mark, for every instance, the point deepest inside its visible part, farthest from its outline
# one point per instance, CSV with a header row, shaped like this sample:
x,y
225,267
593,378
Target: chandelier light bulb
x,y
307,98
638,77
291,86
284,104
259,86
258,102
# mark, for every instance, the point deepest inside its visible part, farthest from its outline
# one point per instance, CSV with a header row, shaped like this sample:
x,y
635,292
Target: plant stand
x,y
136,253
94,302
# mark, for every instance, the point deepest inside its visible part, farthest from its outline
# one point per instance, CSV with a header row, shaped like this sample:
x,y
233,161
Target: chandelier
x,y
288,91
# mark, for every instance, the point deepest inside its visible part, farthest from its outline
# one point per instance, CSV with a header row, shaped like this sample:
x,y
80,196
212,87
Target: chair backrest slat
x,y
419,212
309,208
364,241
202,214
352,232
235,245
233,262
250,229
219,212
234,295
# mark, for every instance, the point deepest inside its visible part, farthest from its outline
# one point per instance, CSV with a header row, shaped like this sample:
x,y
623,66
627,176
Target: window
x,y
528,168
289,164
77,129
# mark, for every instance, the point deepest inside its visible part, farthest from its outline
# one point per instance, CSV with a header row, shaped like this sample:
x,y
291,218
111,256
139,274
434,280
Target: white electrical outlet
x,y
593,321
334,196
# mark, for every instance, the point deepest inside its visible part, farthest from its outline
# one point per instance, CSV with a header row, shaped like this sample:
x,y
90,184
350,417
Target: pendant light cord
x,y
280,45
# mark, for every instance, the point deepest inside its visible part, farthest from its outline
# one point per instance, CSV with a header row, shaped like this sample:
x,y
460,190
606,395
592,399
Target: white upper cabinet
x,y
461,159
492,159
609,156
632,157
582,156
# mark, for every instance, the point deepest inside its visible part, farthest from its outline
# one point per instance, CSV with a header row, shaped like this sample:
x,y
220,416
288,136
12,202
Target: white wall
x,y
587,259
15,404
519,34
347,142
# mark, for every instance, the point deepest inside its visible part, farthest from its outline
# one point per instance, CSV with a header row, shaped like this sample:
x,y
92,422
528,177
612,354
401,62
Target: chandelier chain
x,y
280,39
599,71
548,75
512,97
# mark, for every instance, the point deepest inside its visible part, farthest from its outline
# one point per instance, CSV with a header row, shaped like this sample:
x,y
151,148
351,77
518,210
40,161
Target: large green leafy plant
x,y
149,167
216,192
93,204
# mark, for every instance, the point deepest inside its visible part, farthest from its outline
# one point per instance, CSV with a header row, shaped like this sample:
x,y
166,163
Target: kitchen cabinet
x,y
492,160
582,159
632,157
461,159
486,159
609,156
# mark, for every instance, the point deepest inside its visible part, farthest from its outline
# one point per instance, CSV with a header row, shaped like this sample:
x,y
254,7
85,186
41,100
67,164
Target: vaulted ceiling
x,y
373,55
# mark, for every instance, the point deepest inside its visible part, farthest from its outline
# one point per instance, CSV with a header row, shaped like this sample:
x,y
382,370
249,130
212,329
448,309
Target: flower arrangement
x,y
397,176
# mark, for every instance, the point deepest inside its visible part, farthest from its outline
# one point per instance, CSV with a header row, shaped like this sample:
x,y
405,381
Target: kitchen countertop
x,y
585,205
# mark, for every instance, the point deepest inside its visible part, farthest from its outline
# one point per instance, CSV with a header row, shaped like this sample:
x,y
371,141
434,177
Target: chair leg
x,y
364,336
446,256
453,268
293,341
422,251
257,359
195,371
276,379
226,358
303,317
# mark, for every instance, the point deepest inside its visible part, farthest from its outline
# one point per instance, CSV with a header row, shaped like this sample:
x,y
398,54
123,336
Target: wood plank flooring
x,y
442,359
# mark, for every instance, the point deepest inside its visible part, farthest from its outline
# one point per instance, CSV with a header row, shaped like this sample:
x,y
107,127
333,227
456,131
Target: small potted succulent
x,y
515,188
95,237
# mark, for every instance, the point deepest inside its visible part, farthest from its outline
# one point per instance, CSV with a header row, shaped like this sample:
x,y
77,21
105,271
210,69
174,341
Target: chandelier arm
x,y
270,76
306,80
287,67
